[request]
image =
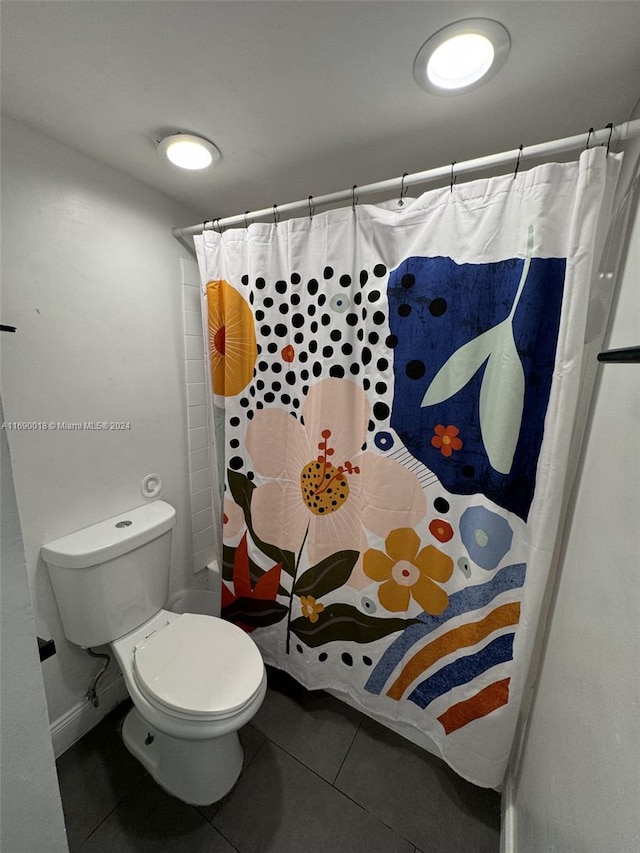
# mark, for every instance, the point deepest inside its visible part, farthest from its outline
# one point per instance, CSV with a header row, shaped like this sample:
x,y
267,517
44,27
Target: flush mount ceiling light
x,y
461,56
189,151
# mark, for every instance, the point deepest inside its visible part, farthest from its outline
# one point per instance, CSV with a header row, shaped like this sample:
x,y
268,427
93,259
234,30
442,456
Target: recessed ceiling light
x,y
189,151
461,56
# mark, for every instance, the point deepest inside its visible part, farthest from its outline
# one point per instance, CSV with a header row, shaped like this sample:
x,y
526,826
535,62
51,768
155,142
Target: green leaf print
x,y
327,575
242,489
344,622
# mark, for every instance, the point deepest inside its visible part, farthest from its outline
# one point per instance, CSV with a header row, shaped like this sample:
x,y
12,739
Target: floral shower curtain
x,y
395,387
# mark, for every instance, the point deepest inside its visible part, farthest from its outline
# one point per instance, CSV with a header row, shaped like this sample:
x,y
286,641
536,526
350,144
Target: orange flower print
x,y
446,439
288,354
232,339
310,607
407,572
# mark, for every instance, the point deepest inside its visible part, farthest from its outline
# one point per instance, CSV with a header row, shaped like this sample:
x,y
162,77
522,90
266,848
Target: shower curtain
x,y
394,389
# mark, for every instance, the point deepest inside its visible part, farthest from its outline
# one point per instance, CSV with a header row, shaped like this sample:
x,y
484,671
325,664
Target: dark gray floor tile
x,y
418,795
149,820
279,806
314,727
95,774
251,741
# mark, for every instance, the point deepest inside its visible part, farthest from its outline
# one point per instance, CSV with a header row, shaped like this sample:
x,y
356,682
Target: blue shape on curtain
x,y
463,670
436,306
496,531
465,601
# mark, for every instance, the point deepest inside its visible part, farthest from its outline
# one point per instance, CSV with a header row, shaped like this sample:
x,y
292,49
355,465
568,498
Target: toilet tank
x,y
113,576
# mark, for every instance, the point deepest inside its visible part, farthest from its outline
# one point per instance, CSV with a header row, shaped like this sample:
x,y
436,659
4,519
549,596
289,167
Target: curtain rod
x,y
627,130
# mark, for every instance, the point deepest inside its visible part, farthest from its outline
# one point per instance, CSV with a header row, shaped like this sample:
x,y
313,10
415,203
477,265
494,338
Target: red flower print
x,y
446,440
265,588
441,529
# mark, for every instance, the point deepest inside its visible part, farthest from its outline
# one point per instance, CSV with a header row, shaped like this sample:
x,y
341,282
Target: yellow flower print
x,y
310,607
407,572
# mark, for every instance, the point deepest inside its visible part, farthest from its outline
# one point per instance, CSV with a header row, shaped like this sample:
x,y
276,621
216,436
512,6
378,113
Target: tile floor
x,y
319,777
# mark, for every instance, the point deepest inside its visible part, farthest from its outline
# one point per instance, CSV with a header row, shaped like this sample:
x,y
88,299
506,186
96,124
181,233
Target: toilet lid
x,y
199,665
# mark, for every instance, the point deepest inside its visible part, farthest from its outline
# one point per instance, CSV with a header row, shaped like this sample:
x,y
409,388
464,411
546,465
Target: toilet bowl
x,y
195,680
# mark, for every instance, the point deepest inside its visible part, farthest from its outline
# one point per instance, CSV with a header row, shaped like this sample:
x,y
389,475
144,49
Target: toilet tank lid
x,y
109,539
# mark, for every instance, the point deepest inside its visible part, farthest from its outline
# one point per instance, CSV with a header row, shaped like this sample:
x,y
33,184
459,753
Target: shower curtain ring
x,y
588,138
312,208
610,126
453,178
354,197
276,215
403,191
515,172
246,224
216,225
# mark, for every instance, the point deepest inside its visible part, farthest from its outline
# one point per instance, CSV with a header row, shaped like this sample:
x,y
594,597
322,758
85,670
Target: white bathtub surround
x,y
204,514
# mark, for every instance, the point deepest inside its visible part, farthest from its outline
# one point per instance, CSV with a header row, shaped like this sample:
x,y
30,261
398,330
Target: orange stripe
x,y
466,635
487,700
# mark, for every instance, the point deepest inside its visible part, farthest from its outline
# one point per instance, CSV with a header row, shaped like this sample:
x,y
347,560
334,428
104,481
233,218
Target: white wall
x,y
575,787
30,809
91,278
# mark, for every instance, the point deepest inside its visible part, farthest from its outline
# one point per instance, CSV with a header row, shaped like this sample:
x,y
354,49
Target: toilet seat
x,y
199,666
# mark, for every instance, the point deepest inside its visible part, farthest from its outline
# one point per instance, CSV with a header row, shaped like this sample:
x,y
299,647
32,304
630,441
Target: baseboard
x,y
508,830
80,719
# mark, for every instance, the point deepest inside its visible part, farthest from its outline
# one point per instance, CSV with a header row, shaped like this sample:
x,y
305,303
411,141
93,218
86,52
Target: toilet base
x,y
199,772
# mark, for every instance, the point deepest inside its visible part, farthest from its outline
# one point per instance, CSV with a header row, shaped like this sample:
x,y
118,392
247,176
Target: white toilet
x,y
194,680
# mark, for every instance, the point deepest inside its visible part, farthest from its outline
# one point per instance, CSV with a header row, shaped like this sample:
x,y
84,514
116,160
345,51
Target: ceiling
x,y
306,96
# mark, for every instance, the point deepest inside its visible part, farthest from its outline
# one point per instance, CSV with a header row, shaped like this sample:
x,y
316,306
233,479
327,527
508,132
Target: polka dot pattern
x,y
441,505
332,323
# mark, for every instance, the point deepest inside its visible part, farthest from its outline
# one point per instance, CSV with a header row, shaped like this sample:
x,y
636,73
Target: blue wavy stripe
x,y
468,599
475,597
463,670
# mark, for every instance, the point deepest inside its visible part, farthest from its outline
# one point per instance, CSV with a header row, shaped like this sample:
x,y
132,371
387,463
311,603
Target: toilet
x,y
194,680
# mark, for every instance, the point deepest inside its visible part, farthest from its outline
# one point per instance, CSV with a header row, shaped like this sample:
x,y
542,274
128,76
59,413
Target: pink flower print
x,y
321,481
232,519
